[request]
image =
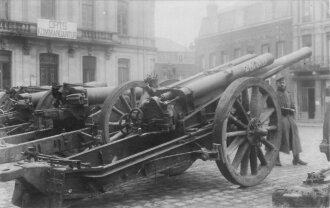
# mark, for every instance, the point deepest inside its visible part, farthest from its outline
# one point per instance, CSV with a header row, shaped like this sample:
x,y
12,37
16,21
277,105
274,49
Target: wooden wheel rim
x,y
229,167
110,106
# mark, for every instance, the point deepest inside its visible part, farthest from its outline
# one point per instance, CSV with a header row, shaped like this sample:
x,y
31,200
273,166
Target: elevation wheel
x,y
117,107
247,125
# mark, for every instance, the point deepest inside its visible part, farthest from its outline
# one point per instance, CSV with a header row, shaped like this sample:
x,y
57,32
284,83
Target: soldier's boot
x,y
297,161
278,161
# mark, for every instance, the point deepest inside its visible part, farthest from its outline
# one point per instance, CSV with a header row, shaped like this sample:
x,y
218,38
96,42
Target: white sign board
x,y
56,29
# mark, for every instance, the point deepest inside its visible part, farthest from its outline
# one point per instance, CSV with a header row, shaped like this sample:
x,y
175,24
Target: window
x,y
265,48
89,68
4,9
123,70
326,6
306,40
307,8
202,64
280,49
212,60
122,16
47,9
237,52
48,69
224,57
87,13
5,69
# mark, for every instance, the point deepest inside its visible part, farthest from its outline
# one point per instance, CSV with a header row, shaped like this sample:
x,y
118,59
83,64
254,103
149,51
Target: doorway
x,y
48,69
5,69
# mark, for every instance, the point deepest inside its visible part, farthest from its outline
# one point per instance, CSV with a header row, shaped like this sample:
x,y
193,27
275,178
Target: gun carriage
x,y
221,114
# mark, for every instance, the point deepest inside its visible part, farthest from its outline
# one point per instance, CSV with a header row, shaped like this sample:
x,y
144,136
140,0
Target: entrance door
x,y
311,102
5,69
48,69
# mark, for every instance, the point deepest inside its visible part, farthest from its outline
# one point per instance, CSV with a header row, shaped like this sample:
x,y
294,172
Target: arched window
x,y
5,69
48,68
89,68
123,70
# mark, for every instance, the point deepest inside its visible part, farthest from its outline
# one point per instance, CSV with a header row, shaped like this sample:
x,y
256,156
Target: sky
x,y
179,20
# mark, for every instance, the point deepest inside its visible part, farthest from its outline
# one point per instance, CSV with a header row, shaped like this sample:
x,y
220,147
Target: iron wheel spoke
x,y
236,133
234,144
116,110
254,103
245,162
243,110
126,104
253,161
268,144
240,154
261,157
265,115
133,98
238,122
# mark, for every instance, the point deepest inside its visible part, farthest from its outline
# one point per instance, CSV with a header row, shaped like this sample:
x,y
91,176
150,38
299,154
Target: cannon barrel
x,y
285,61
215,69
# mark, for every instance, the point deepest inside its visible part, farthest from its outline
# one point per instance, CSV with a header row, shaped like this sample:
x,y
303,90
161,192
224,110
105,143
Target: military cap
x,y
279,78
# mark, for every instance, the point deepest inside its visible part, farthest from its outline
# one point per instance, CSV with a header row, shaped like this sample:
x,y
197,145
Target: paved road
x,y
204,186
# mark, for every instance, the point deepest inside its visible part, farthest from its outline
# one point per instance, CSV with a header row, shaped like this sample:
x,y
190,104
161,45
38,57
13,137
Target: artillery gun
x,y
225,116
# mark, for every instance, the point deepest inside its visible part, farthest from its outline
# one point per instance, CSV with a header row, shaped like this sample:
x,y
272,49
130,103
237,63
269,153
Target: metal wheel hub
x,y
255,131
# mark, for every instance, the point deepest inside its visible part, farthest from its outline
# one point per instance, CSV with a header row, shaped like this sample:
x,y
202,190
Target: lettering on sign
x,y
57,29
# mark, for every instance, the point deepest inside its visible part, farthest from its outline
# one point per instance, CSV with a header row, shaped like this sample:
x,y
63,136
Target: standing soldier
x,y
290,137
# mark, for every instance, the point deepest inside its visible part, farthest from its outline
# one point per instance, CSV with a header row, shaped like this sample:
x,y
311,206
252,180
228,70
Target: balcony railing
x,y
96,35
17,27
30,29
313,63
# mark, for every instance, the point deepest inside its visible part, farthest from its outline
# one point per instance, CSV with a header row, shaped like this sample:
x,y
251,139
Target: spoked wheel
x,y
122,102
247,125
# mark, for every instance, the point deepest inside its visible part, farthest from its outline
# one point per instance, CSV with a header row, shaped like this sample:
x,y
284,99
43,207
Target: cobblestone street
x,y
204,186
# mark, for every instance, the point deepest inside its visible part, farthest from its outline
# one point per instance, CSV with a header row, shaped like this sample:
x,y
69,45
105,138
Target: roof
x,y
164,44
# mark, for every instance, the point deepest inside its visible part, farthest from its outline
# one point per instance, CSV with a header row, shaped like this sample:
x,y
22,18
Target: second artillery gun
x,y
222,115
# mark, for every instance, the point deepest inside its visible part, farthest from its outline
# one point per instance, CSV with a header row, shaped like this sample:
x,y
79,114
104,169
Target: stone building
x,y
75,41
173,61
278,27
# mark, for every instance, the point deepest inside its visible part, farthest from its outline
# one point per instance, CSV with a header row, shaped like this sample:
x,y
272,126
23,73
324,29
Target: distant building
x,y
278,27
173,61
45,41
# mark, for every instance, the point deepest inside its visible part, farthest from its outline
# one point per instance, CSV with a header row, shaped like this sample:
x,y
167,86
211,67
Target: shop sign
x,y
56,29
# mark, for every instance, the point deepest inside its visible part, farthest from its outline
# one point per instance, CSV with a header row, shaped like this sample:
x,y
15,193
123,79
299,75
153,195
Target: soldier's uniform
x,y
290,136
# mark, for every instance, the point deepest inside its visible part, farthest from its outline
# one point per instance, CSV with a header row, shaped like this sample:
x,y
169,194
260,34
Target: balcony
x,y
315,63
25,29
17,28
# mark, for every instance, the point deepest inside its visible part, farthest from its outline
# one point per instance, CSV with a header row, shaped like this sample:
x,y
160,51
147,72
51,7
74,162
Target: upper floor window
x,y
202,62
4,9
47,9
280,49
122,17
265,48
326,6
306,10
89,68
224,57
87,13
237,52
306,40
212,60
123,70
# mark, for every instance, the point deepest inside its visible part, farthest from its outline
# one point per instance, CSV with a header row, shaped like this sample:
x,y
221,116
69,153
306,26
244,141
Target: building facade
x,y
173,61
278,27
46,41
